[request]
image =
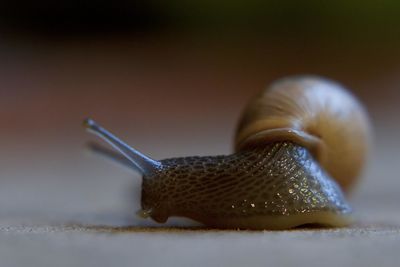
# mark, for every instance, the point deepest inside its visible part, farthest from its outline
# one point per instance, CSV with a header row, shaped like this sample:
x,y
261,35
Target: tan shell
x,y
315,113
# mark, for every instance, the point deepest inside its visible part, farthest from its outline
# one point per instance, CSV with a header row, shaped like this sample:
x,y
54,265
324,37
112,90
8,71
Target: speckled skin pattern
x,y
279,179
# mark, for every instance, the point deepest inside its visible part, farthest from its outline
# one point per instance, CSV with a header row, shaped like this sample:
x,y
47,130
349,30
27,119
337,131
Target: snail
x,y
299,148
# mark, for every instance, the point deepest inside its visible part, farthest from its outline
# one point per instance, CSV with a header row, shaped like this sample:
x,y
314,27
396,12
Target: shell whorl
x,y
315,113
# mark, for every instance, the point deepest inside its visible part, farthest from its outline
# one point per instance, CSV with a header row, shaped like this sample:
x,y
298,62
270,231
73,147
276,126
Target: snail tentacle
x,y
111,154
146,165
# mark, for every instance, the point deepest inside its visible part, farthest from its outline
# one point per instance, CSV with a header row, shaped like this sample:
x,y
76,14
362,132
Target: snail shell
x,y
292,139
315,113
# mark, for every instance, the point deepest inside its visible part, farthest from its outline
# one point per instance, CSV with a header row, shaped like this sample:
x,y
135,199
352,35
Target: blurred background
x,y
171,78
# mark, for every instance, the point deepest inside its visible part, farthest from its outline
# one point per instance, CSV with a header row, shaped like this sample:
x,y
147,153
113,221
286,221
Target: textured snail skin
x,y
315,113
277,186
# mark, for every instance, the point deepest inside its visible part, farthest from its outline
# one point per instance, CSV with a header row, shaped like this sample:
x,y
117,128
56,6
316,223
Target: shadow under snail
x,y
298,144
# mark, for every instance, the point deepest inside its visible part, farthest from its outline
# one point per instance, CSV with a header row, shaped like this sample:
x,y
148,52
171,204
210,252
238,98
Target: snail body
x,y
287,169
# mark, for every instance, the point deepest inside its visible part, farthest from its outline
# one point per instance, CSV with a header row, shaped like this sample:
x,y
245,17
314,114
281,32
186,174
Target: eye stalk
x,y
144,164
